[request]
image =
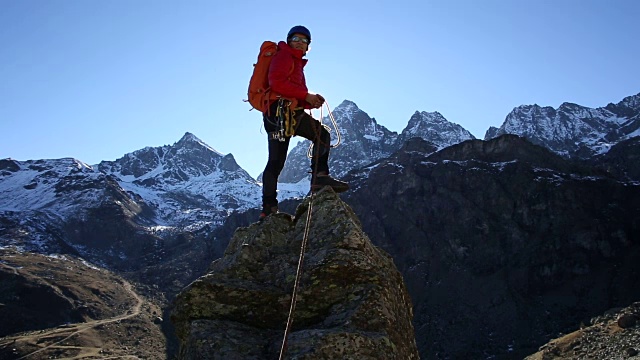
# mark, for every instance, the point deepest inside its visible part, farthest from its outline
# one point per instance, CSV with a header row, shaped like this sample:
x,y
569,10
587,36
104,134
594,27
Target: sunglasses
x,y
298,38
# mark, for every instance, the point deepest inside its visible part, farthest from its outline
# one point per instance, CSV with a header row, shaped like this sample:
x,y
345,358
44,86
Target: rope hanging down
x,y
296,284
305,239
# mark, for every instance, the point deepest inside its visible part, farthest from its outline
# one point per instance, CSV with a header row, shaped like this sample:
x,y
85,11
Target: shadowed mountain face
x,y
502,243
623,160
351,304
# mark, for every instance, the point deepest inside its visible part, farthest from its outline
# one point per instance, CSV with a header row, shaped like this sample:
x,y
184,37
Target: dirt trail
x,y
53,338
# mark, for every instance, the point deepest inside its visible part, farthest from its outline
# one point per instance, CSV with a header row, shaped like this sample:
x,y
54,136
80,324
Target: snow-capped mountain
x,y
185,182
125,213
181,184
434,128
40,199
59,186
574,130
184,186
189,185
364,141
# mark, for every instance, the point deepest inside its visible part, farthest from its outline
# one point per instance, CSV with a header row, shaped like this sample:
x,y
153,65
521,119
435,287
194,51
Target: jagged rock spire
x,y
352,301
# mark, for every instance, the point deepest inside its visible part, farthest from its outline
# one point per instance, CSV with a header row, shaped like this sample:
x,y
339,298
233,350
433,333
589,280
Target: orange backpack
x,y
260,94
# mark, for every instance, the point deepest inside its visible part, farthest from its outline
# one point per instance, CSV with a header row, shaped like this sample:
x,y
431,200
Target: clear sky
x,y
95,80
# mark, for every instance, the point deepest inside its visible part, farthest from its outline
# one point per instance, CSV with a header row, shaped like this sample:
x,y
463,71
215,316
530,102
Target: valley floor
x,y
131,333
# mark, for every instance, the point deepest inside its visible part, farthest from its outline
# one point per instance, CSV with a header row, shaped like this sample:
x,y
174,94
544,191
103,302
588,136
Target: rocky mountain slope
x,y
64,307
351,304
142,211
574,130
623,160
613,335
41,200
187,183
502,243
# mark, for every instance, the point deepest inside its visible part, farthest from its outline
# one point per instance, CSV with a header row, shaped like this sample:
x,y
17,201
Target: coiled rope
x,y
335,127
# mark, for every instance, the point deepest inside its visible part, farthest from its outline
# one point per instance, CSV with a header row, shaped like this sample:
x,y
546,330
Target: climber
x,y
286,78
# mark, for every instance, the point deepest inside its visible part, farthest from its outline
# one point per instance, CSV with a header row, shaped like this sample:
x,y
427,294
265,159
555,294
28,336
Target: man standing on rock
x,y
286,78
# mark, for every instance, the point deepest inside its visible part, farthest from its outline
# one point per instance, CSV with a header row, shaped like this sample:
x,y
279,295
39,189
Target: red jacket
x,y
284,81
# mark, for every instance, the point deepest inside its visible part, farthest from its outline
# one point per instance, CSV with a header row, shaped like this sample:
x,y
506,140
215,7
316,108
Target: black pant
x,y
307,127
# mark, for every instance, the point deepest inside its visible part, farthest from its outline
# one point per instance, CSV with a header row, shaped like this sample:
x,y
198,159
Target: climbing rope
x,y
296,284
335,127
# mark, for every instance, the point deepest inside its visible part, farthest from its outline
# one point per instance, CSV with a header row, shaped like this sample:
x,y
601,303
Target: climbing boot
x,y
322,179
268,210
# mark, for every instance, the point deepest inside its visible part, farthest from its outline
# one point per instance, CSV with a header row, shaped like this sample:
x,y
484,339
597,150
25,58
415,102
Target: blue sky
x,y
94,80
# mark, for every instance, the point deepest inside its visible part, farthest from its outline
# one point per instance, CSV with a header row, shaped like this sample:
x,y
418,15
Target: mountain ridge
x,y
573,130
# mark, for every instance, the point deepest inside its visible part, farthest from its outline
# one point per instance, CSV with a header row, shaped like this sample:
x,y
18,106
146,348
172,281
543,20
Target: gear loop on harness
x,y
285,121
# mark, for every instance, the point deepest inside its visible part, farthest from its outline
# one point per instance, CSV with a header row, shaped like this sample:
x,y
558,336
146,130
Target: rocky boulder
x,y
613,335
351,303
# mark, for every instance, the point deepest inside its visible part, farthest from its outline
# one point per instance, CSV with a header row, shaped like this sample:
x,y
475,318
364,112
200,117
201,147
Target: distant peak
x,y
568,105
347,104
433,116
189,138
526,107
632,101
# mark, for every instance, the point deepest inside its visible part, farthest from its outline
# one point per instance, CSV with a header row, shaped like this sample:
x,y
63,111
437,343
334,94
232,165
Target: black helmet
x,y
299,29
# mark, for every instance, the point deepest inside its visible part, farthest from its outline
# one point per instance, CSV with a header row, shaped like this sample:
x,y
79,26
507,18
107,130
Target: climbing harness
x,y
286,123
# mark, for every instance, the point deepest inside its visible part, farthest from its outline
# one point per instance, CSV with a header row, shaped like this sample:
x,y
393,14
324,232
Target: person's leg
x,y
311,129
277,157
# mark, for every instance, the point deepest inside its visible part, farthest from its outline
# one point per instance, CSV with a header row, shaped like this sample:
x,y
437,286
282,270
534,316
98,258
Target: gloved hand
x,y
314,100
